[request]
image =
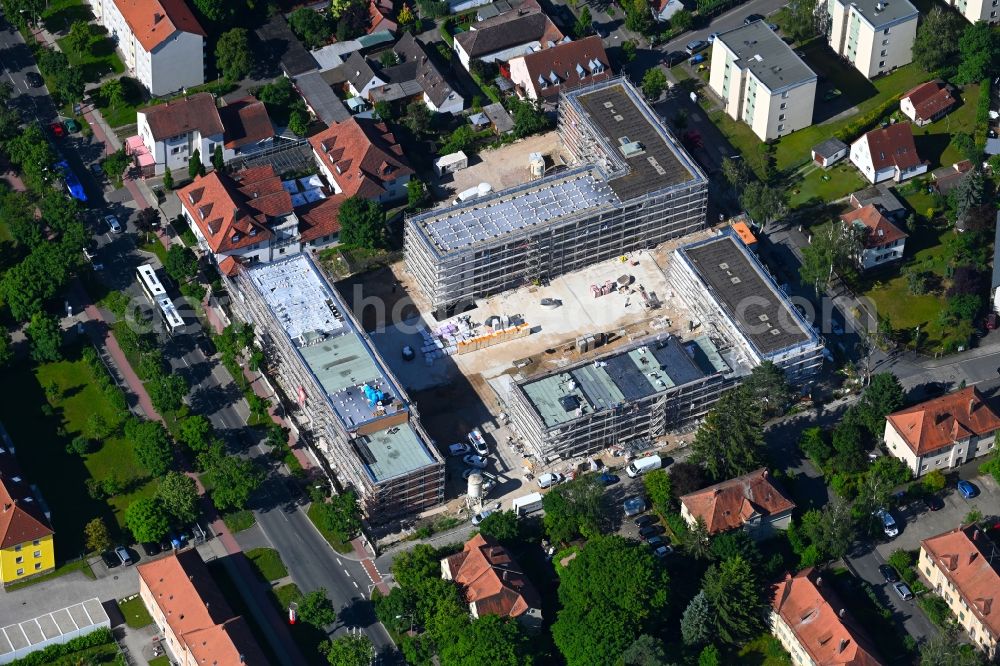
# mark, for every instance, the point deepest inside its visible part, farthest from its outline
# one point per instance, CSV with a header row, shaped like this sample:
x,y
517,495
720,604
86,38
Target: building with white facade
x,y
977,10
731,294
944,432
876,36
360,157
513,33
173,131
752,502
761,81
161,42
542,74
882,242
888,153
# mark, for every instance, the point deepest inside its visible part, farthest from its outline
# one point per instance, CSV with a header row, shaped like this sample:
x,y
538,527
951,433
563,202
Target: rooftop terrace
x,y
622,377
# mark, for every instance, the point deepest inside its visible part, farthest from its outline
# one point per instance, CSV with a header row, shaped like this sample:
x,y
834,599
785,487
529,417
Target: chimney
x,y
843,645
819,582
972,404
157,17
975,534
842,612
972,556
6,507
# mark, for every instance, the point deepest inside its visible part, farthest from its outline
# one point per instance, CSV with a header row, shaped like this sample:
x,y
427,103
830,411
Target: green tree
x,y
6,348
168,181
584,23
151,445
849,441
79,36
195,167
489,639
732,544
341,515
879,481
45,336
217,11
659,489
459,140
310,27
638,18
934,481
572,509
146,520
417,196
936,44
178,494
167,393
710,656
621,579
737,601
298,120
351,650
730,442
763,202
113,92
682,20
629,50
232,54
316,609
979,47
96,536
195,432
10,122
232,479
697,620
827,252
218,161
654,82
816,446
362,223
686,477
114,165
529,117
769,388
501,525
645,651
180,263
883,396
830,530
946,648
799,23
418,118
696,540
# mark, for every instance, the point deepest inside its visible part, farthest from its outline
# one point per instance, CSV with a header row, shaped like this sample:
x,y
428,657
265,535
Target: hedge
x,y
51,653
982,115
862,124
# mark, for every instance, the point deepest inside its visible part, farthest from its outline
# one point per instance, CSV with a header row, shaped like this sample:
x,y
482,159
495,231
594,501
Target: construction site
x,y
627,185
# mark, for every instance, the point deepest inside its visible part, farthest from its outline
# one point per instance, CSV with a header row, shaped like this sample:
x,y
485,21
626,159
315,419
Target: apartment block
x,y
977,10
27,548
876,36
629,186
761,81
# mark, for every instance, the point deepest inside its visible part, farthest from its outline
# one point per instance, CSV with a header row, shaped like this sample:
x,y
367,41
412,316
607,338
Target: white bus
x,y
157,295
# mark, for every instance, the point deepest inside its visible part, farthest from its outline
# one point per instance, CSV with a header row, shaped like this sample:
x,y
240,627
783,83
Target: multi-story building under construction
x,y
632,395
630,186
360,418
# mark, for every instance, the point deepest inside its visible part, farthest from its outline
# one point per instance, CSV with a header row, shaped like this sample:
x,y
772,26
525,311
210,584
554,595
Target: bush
x,y
677,525
862,124
54,652
80,445
936,608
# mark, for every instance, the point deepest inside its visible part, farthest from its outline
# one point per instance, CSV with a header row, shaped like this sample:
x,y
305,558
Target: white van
x,y
642,465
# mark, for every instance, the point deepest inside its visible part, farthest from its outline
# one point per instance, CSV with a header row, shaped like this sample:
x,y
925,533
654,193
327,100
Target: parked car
x,y
608,479
475,461
650,530
642,521
934,389
113,223
657,541
481,516
151,548
888,523
206,346
711,38
111,559
752,19
675,58
478,443
967,489
550,479
634,506
34,79
125,556
903,591
888,573
97,171
662,551
71,125
696,46
459,449
57,129
933,502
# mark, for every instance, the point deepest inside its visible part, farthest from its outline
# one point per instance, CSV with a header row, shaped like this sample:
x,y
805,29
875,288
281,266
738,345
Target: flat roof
x,y
627,375
765,54
78,619
321,99
883,12
340,359
742,288
616,112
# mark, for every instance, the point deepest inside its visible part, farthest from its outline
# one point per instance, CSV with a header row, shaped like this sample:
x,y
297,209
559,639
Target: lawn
x,y
764,651
42,425
97,60
286,594
934,140
162,660
237,521
822,185
268,563
332,539
59,15
135,613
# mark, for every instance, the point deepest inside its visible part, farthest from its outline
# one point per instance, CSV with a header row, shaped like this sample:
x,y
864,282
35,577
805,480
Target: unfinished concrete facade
x,y
634,394
356,410
631,187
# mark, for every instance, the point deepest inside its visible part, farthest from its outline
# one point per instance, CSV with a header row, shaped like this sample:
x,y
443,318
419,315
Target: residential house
x,y
542,74
197,624
943,432
962,567
883,198
246,127
810,620
928,102
514,33
500,120
664,9
888,152
753,502
276,37
829,152
945,179
171,132
27,548
380,14
493,583
241,218
977,10
762,81
876,36
882,242
161,42
360,157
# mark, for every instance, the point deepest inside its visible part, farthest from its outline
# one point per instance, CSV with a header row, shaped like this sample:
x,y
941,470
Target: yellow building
x,y
26,545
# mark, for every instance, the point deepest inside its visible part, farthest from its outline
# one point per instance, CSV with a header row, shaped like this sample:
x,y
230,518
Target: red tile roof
x,y
940,422
153,21
245,121
732,503
492,579
816,616
197,612
195,112
563,61
962,555
233,211
379,12
320,219
892,146
21,516
362,154
880,230
929,99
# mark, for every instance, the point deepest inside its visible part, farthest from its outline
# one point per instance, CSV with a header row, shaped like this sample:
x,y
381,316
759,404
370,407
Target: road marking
x,y
338,560
355,584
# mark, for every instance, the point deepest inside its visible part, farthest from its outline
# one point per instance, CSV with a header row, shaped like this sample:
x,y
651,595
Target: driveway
x,y
51,595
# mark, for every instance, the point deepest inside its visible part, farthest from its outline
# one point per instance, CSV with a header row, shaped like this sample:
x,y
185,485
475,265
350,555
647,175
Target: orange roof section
x,y
732,503
880,230
962,554
492,579
940,422
154,21
815,615
21,516
363,154
743,231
